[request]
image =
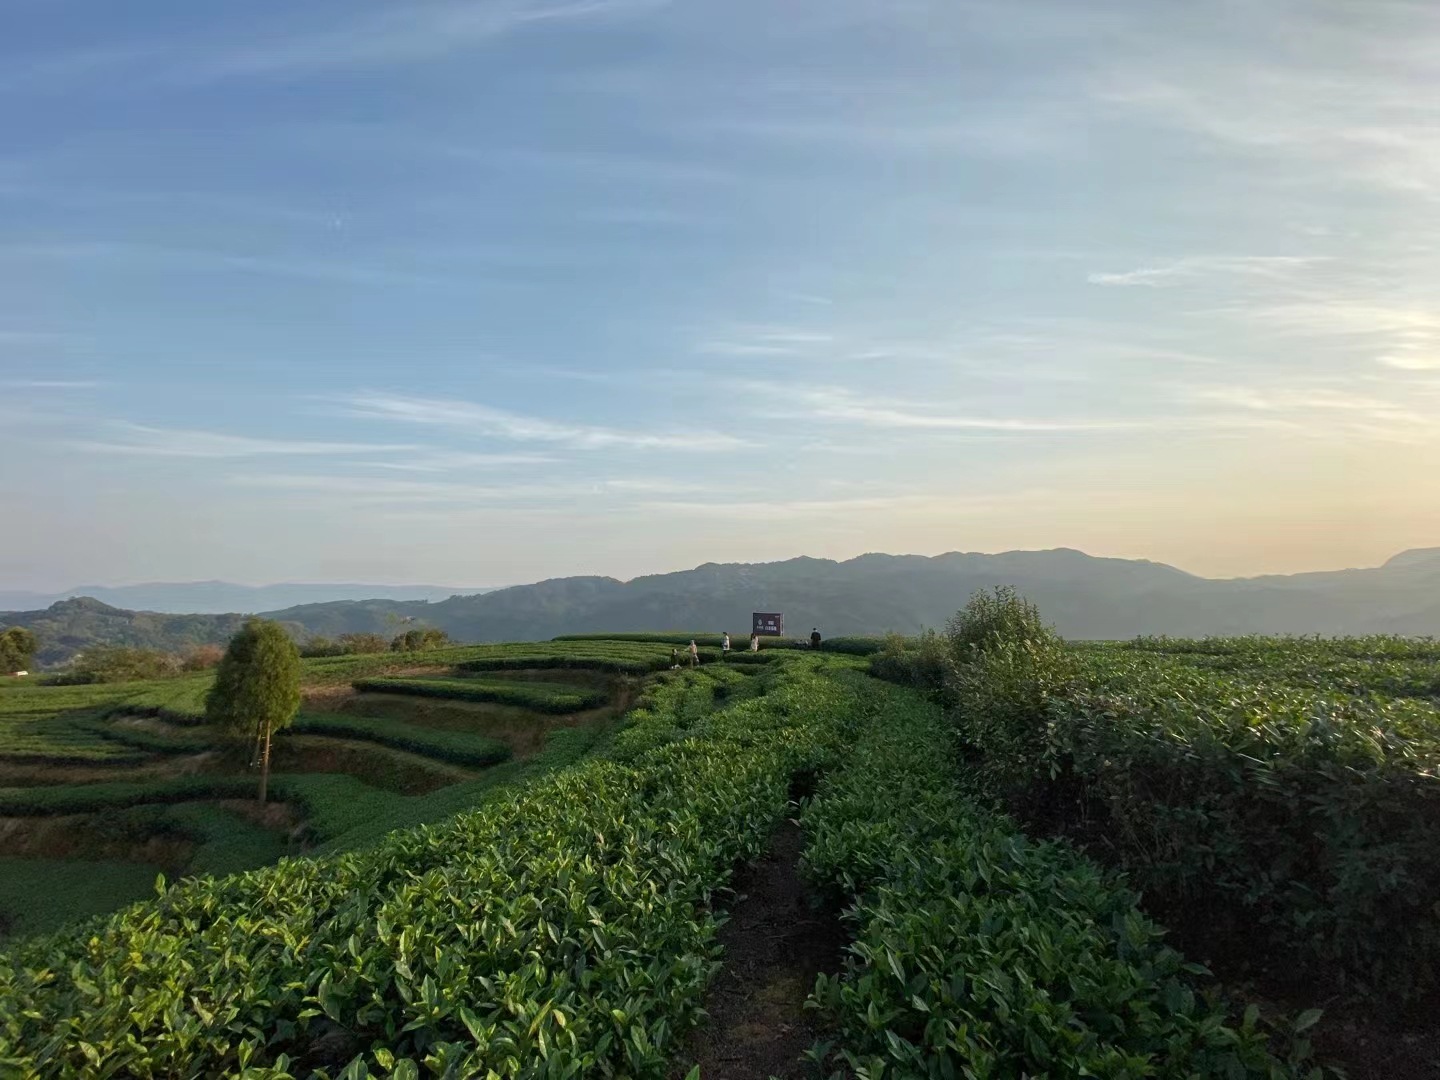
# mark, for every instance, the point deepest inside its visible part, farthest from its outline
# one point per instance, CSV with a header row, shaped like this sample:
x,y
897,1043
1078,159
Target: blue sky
x,y
483,291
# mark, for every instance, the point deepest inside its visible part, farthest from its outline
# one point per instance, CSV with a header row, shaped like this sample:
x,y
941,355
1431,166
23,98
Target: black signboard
x,y
768,623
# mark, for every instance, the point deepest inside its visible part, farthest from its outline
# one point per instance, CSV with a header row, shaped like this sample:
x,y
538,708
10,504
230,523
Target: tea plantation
x,y
978,834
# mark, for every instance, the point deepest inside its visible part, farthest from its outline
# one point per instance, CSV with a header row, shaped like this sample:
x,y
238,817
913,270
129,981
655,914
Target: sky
x,y
488,291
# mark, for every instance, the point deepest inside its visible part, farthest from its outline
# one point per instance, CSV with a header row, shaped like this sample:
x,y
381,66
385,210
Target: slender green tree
x,y
257,688
17,649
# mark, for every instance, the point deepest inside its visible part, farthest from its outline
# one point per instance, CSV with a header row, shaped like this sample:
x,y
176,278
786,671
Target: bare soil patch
x,y
776,942
82,836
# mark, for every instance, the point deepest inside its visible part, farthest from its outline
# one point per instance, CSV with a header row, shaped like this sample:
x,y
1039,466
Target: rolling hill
x,y
1085,596
220,597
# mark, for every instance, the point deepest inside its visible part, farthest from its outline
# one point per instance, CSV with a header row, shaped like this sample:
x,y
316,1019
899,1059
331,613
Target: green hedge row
x,y
537,697
855,646
462,748
615,665
981,953
89,798
1305,820
332,803
563,930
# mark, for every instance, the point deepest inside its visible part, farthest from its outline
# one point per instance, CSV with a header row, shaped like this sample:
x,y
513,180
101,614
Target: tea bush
x,y
981,953
563,929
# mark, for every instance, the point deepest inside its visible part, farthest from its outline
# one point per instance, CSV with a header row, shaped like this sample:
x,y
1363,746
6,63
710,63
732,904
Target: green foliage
x,y
1005,665
180,701
38,894
738,641
1271,789
257,685
999,617
568,927
462,748
119,794
585,896
53,723
853,646
82,624
119,663
18,646
921,662
419,640
1305,818
981,953
345,645
536,696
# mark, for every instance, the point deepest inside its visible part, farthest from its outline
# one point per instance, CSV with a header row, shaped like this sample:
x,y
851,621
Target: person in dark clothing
x,y
815,638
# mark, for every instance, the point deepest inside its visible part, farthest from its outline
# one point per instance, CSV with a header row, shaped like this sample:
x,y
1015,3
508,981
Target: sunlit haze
x,y
485,291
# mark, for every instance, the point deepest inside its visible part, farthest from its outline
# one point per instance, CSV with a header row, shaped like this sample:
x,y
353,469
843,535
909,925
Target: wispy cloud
x,y
498,423
398,33
51,384
445,461
842,405
1397,333
920,505
382,490
1341,409
127,438
1010,134
1192,267
766,341
813,299
1411,360
214,261
1315,92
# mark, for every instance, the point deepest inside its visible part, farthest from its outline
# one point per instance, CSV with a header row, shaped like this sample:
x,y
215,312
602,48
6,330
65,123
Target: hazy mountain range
x,y
1084,596
221,597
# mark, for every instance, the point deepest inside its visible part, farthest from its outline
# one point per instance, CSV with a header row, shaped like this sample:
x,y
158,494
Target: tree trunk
x,y
265,767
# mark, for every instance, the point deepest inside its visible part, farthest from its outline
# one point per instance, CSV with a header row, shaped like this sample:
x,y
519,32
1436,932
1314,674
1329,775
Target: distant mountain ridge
x,y
1084,596
223,597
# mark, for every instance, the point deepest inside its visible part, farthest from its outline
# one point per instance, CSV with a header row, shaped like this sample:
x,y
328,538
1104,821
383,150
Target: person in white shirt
x,y
724,643
694,653
754,642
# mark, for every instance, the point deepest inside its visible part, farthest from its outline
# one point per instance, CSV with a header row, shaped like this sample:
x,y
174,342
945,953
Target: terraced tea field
x,y
116,783
563,911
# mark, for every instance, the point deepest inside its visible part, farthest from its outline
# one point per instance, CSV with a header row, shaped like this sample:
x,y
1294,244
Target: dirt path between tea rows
x,y
775,945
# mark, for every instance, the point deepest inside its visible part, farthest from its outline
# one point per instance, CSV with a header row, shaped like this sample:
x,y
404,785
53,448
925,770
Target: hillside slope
x,y
1085,596
71,626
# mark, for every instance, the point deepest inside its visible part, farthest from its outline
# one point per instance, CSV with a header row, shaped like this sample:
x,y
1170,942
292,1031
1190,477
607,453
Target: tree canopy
x,y
17,649
419,640
257,687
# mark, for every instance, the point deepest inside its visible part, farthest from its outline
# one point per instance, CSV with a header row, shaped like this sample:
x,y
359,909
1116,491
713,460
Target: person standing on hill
x,y
724,646
815,638
694,653
754,642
